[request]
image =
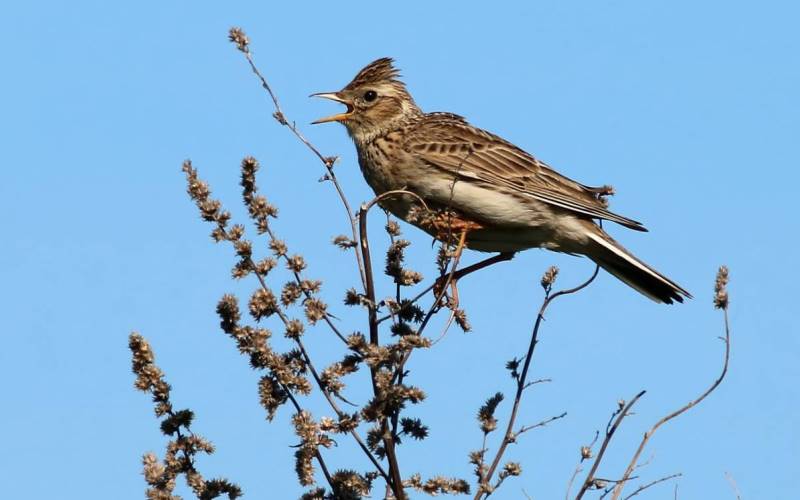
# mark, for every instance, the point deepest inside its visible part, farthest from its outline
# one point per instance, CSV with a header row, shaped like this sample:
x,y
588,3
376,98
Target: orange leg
x,y
460,273
445,227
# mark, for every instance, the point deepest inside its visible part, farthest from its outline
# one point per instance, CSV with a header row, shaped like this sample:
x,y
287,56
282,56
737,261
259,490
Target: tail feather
x,y
618,261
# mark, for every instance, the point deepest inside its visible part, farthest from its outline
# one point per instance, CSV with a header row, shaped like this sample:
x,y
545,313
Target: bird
x,y
497,197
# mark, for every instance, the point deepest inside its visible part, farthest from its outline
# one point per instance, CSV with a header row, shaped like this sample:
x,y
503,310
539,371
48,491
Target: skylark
x,y
498,197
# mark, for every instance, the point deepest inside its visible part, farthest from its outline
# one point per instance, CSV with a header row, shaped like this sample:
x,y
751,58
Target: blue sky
x,y
690,109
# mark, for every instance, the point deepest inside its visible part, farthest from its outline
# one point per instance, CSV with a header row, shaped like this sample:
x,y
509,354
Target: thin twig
x,y
689,405
732,482
590,477
544,422
652,483
521,381
327,161
578,470
609,489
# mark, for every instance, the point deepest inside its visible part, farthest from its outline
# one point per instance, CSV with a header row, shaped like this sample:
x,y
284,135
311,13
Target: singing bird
x,y
505,199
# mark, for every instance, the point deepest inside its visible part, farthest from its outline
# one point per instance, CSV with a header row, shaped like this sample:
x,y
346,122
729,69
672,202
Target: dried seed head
x,y
264,266
296,263
414,428
586,452
153,470
344,242
513,367
350,484
461,320
486,413
408,277
290,293
248,182
241,268
393,228
549,277
228,311
310,286
294,328
315,494
271,395
357,342
239,38
511,469
218,234
315,310
260,209
438,485
244,248
721,288
304,466
278,247
263,304
352,297
236,232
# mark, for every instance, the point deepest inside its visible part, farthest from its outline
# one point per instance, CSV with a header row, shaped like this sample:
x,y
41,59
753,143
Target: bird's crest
x,y
381,70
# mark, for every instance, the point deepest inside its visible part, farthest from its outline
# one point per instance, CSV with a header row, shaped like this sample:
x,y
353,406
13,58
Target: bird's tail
x,y
618,261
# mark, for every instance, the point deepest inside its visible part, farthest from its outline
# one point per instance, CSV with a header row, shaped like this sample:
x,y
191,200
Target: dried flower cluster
x,y
549,278
183,446
721,288
238,37
438,485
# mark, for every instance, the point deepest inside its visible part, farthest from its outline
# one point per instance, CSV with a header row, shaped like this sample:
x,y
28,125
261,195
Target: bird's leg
x,y
460,273
501,257
450,277
446,225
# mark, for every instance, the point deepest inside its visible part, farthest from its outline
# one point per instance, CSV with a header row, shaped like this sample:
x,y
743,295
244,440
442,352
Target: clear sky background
x,y
690,109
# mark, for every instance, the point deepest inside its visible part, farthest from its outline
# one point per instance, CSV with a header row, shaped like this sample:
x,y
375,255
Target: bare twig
x,y
601,482
577,471
686,407
590,477
652,483
544,422
327,161
522,379
735,488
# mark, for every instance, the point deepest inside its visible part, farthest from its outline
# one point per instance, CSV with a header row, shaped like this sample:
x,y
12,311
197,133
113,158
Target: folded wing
x,y
447,142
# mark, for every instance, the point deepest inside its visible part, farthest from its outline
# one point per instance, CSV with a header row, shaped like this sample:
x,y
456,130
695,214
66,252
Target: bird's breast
x,y
381,163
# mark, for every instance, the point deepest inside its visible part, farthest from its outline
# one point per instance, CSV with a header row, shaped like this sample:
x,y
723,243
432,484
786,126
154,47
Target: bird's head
x,y
376,101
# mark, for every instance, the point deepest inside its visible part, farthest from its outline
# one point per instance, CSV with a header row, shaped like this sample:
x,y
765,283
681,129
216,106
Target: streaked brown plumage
x,y
511,200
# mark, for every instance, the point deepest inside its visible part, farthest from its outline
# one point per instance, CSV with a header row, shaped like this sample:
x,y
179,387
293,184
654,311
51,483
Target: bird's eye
x,y
370,95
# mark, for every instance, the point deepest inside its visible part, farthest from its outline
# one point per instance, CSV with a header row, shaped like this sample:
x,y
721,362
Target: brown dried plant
x,y
183,445
395,327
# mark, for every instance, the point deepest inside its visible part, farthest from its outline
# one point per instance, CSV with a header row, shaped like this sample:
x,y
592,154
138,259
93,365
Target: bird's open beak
x,y
335,96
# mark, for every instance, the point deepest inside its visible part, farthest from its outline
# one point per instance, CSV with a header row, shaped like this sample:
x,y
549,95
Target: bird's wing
x,y
447,142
